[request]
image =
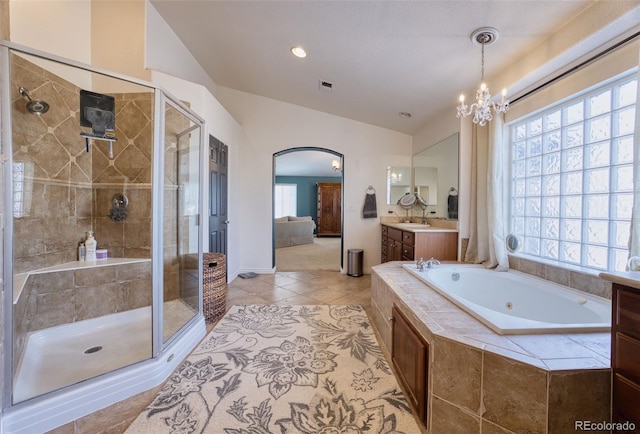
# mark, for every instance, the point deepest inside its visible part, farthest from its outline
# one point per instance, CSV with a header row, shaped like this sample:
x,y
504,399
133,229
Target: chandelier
x,y
482,108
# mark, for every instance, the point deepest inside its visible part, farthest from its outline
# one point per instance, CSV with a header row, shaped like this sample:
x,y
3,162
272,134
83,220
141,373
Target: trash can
x,y
354,262
214,286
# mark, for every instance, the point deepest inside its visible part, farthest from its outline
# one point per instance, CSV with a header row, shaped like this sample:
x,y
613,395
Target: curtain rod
x,y
578,66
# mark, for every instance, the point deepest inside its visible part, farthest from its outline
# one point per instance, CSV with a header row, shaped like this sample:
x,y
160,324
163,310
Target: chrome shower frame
x,y
61,406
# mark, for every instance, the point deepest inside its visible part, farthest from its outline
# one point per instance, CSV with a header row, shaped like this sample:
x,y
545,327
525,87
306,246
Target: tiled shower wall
x,y
66,190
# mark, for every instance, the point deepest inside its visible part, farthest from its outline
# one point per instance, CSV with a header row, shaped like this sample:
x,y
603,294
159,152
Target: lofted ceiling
x,y
382,57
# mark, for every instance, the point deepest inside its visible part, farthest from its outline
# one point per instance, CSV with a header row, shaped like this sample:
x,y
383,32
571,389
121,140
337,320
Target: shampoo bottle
x,y
90,247
81,252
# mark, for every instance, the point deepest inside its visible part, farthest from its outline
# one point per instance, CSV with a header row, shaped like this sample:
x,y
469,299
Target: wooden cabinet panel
x,y
628,357
408,238
626,396
395,234
407,252
394,250
627,319
442,246
625,354
399,245
329,209
410,355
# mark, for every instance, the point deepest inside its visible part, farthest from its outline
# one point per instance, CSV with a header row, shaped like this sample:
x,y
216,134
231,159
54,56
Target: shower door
x,y
181,231
73,319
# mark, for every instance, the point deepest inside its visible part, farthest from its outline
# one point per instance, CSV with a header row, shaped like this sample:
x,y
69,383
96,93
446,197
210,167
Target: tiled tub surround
x,y
479,381
77,291
516,303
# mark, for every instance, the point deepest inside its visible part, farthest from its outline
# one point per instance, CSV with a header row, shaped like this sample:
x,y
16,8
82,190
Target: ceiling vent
x,y
326,86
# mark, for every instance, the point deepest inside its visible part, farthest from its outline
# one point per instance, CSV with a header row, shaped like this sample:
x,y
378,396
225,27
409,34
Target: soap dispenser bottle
x,y
82,252
90,245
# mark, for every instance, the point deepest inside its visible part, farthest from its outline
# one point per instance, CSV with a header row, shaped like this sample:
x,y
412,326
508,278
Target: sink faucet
x,y
430,263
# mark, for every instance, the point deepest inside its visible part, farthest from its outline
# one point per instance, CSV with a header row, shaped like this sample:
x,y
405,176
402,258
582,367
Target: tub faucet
x,y
430,263
420,264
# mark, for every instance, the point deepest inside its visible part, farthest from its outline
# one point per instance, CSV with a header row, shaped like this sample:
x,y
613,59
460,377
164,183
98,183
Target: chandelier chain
x,y
482,63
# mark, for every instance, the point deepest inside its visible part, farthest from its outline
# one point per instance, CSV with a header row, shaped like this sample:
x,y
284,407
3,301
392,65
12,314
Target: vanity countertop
x,y
416,227
626,278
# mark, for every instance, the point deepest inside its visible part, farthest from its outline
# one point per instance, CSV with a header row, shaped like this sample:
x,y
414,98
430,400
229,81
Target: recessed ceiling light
x,y
404,114
299,52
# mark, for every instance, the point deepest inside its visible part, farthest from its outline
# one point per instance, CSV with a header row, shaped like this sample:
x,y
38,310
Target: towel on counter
x,y
370,210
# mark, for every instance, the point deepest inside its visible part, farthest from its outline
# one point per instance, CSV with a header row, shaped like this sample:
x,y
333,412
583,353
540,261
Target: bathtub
x,y
517,303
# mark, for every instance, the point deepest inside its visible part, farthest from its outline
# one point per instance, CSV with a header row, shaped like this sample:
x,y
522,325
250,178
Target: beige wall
x,y
272,126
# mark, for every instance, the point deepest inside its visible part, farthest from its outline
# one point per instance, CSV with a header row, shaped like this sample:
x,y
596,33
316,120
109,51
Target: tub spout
x,y
430,263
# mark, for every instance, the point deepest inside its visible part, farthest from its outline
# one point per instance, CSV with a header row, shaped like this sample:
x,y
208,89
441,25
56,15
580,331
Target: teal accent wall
x,y
307,189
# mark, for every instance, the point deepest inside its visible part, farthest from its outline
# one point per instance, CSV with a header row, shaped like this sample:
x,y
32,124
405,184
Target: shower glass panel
x,y
181,215
74,320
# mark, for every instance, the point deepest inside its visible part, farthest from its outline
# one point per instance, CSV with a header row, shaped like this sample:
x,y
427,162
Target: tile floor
x,y
301,287
291,287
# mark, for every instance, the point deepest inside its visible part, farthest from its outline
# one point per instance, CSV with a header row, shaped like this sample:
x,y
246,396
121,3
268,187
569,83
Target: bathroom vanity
x,y
409,241
625,347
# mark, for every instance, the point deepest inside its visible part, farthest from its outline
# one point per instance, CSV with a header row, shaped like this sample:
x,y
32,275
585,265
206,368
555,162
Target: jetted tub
x,y
517,303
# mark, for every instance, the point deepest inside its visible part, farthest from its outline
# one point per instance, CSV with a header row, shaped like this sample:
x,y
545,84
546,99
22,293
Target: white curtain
x,y
634,238
487,219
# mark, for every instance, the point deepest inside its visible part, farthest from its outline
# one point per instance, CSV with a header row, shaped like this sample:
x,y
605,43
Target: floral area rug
x,y
283,369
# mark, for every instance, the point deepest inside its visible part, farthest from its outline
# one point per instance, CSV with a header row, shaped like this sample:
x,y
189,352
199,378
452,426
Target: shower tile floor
x,y
67,354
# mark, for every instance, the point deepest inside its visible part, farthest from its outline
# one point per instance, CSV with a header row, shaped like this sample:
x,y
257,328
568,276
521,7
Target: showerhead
x,y
36,107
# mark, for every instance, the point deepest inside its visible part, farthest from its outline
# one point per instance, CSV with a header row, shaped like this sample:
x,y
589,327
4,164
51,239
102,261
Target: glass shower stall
x,y
91,155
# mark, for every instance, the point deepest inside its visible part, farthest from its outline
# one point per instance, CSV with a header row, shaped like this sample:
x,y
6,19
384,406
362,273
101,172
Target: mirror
x,y
398,183
426,184
435,172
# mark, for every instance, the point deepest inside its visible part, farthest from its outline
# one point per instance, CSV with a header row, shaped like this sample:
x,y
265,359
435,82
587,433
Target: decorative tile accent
x,y
574,279
447,418
514,394
578,396
458,375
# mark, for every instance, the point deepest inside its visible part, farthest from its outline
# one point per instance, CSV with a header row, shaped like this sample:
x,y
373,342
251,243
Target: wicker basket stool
x,y
214,286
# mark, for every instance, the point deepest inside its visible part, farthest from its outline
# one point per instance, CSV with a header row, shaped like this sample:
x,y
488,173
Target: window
x,y
286,200
572,178
22,188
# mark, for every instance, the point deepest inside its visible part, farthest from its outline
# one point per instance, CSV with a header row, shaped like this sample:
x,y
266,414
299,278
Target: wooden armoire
x,y
329,209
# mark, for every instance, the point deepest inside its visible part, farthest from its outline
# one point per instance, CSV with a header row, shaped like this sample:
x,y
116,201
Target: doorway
x,y
218,153
300,178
